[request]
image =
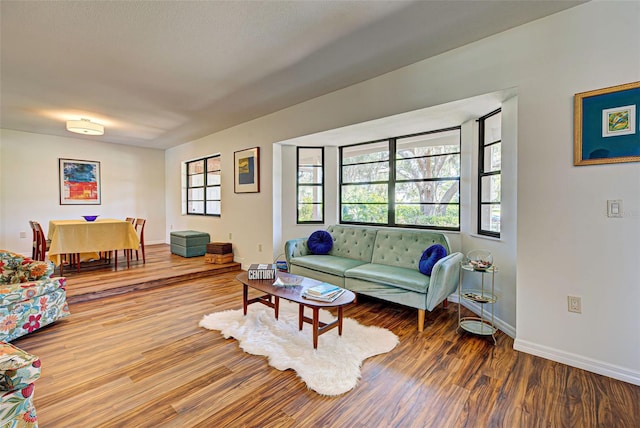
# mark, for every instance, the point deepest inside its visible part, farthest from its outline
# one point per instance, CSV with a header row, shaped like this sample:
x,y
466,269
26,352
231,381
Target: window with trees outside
x,y
203,186
310,184
408,181
490,174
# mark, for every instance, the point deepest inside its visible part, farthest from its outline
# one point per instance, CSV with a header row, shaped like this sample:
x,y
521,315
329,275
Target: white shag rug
x,y
332,369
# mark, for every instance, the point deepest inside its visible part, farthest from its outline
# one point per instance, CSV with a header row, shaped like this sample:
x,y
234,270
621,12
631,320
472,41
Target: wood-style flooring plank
x,y
139,359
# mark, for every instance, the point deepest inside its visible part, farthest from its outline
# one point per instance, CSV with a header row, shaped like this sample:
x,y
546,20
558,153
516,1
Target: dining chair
x,y
41,242
35,239
139,228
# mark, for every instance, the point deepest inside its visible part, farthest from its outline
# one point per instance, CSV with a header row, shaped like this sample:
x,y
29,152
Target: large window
x,y
203,186
490,174
310,185
417,186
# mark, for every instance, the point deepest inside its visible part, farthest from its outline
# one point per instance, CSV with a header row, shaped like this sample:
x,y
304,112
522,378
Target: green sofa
x,y
380,263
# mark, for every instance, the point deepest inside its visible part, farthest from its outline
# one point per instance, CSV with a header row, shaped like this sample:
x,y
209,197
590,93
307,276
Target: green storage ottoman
x,y
189,243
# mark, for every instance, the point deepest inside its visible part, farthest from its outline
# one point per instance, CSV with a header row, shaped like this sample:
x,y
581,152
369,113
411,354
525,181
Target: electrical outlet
x,y
260,247
574,304
23,234
230,235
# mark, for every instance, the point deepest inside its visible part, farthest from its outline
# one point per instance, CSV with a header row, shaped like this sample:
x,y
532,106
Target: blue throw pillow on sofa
x,y
430,257
320,242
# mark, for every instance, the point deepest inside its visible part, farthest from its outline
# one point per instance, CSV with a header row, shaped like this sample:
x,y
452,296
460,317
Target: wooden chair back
x,y
34,240
139,227
41,242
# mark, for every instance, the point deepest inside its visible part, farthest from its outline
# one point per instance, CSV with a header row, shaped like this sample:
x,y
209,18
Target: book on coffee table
x,y
328,298
322,289
262,271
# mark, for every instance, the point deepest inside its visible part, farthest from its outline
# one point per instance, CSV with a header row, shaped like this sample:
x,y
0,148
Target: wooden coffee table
x,y
294,294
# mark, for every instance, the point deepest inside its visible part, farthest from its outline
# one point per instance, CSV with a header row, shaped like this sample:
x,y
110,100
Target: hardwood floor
x,y
98,279
139,359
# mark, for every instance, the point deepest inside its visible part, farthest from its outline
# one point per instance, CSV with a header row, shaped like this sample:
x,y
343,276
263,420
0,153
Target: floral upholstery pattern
x,y
29,297
18,371
15,268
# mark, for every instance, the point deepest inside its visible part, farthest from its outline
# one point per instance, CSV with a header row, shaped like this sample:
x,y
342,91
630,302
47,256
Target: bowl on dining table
x,y
90,217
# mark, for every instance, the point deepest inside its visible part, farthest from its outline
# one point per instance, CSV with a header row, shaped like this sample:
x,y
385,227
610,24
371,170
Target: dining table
x,y
90,238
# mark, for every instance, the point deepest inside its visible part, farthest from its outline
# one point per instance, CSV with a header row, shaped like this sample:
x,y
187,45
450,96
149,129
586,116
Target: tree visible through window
x,y
203,186
490,174
310,185
419,186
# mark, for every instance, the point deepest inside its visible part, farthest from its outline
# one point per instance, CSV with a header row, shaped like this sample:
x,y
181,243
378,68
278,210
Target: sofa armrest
x,y
21,292
295,248
15,268
444,279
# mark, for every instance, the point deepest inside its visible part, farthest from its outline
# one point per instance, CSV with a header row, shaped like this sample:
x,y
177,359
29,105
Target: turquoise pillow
x,y
430,257
320,242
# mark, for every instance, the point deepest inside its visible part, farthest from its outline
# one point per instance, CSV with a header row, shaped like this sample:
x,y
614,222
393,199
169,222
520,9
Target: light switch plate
x,y
614,208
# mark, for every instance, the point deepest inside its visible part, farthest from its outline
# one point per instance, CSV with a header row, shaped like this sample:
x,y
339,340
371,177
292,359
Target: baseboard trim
x,y
579,361
503,326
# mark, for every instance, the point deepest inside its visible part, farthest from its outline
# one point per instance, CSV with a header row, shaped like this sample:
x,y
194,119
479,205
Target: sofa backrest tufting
x,y
404,248
352,242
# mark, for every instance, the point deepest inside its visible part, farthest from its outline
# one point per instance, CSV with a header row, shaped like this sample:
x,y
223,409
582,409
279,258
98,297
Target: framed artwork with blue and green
x,y
606,125
79,182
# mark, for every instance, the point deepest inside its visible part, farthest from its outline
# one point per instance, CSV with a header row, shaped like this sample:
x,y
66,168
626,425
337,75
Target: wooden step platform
x,y
97,279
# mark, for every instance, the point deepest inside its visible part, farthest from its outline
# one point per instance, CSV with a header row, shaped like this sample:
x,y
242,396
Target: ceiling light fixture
x,y
85,127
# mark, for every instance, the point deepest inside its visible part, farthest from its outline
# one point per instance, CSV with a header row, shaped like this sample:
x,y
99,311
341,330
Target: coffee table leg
x,y
300,316
276,306
316,326
245,297
340,321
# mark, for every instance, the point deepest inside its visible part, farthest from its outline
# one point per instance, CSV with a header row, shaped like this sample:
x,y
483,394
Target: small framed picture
x,y
619,121
246,170
605,125
79,182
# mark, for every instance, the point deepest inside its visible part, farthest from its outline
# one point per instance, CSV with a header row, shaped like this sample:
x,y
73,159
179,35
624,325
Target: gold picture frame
x,y
605,125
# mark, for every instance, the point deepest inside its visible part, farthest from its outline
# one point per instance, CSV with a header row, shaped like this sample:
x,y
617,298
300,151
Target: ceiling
x,y
158,74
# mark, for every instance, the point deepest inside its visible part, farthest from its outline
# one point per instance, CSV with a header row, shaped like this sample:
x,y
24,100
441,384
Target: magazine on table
x,y
323,289
328,298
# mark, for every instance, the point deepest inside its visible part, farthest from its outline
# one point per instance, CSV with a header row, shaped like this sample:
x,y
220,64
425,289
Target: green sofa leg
x,y
421,319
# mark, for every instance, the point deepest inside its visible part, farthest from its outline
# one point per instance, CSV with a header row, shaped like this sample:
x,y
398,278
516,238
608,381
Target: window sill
x,y
490,238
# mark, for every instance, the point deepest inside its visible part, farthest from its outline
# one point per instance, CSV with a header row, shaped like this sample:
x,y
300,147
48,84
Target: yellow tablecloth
x,y
90,237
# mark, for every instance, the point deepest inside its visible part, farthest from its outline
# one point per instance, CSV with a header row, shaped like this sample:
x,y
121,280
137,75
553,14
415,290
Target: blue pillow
x,y
320,242
430,257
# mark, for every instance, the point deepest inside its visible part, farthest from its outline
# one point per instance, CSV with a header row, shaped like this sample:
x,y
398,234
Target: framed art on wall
x,y
79,182
605,125
246,170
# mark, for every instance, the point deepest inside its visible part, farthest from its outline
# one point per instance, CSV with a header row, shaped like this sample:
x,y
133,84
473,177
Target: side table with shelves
x,y
484,296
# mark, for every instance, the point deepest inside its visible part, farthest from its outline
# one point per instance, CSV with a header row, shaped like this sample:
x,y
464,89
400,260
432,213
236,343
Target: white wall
x,y
504,249
565,244
132,184
246,218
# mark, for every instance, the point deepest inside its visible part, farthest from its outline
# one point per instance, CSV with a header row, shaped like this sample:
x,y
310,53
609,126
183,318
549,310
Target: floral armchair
x,y
29,297
18,372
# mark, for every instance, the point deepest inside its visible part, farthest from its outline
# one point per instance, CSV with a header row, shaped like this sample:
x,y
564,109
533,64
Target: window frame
x,y
393,181
321,184
482,173
204,186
